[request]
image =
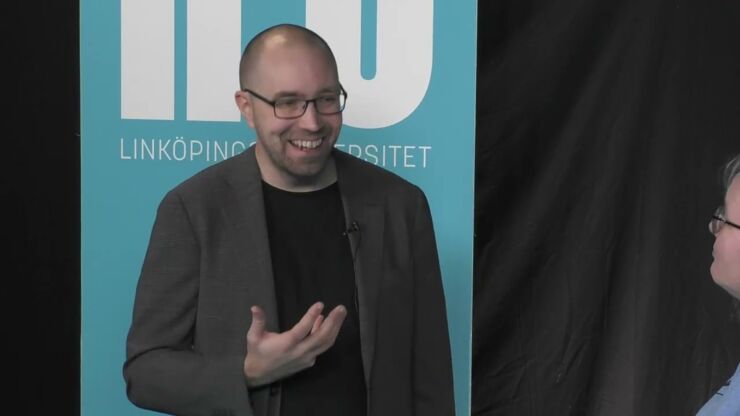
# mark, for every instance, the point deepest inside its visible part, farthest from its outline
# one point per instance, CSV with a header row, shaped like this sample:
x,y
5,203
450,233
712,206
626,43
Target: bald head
x,y
275,37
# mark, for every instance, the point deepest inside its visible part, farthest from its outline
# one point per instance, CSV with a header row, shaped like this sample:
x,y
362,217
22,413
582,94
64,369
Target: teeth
x,y
307,144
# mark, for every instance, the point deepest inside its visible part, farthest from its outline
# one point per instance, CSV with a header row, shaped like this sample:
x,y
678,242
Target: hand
x,y
272,356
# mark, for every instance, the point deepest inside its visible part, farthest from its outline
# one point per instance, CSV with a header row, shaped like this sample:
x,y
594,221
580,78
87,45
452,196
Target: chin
x,y
731,284
309,171
733,291
717,276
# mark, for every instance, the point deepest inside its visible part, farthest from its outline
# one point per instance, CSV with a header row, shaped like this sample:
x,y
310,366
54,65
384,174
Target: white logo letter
x,y
148,59
214,43
403,56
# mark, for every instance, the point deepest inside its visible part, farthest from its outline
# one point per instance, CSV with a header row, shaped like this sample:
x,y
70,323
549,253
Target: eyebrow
x,y
282,94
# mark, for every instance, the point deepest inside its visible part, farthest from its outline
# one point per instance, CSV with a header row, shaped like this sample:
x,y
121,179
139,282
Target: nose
x,y
310,120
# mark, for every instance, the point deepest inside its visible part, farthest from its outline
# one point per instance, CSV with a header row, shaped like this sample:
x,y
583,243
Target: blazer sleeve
x,y
163,370
432,365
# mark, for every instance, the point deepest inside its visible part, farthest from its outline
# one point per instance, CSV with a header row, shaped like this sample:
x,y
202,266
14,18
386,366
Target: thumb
x,y
257,328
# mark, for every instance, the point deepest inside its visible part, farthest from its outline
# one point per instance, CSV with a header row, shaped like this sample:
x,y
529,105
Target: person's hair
x,y
731,171
298,34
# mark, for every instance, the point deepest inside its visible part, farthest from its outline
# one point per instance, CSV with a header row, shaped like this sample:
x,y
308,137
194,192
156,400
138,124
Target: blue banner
x,y
158,79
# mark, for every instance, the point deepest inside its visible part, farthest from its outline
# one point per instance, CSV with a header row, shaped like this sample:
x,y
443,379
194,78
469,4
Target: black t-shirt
x,y
312,262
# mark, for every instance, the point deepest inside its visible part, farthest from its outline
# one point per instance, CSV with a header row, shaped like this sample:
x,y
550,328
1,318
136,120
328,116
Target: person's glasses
x,y
293,107
719,220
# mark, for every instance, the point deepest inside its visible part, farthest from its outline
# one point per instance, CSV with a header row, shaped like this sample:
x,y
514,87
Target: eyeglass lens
x,y
292,107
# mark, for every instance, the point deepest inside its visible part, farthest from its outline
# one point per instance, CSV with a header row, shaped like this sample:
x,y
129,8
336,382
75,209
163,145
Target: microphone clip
x,y
353,228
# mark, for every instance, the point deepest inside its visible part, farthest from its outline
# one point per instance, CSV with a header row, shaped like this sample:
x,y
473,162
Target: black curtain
x,y
601,128
40,197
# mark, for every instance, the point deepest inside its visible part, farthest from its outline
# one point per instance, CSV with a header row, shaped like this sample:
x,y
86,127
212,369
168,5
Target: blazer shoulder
x,y
211,180
364,174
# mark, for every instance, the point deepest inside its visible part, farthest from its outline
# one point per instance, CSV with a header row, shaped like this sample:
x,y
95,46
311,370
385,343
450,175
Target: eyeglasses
x,y
719,220
293,107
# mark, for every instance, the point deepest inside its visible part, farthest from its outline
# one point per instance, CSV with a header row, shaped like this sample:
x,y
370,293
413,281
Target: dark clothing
x,y
209,261
311,262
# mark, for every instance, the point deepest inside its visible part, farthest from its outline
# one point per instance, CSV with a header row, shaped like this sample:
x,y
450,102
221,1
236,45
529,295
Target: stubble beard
x,y
299,172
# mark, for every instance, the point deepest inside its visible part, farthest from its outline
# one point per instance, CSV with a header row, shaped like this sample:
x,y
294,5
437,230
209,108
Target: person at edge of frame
x,y
725,270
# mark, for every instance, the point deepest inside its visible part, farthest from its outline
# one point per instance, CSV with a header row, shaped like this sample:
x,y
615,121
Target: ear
x,y
244,103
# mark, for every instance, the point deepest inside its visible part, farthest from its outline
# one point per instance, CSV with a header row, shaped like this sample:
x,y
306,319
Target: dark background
x,y
601,128
40,197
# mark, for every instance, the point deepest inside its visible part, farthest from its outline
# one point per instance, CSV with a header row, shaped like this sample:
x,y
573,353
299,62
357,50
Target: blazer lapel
x,y
249,231
366,209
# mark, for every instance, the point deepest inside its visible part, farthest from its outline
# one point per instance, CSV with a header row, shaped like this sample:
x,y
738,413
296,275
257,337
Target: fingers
x,y
326,334
272,356
335,318
257,328
305,326
314,332
317,324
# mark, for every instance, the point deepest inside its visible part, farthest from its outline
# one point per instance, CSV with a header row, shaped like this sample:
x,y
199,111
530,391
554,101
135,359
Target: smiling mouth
x,y
306,144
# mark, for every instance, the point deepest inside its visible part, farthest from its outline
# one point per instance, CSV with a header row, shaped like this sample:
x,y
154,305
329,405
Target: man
x,y
725,271
247,256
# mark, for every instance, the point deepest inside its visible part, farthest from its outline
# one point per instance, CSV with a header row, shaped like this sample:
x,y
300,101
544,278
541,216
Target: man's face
x,y
725,268
294,153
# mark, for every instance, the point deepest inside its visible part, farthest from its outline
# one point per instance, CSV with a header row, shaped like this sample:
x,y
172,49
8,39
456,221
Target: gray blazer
x,y
208,261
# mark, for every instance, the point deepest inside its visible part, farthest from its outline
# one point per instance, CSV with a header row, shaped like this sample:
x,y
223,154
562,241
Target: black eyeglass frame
x,y
272,103
718,218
